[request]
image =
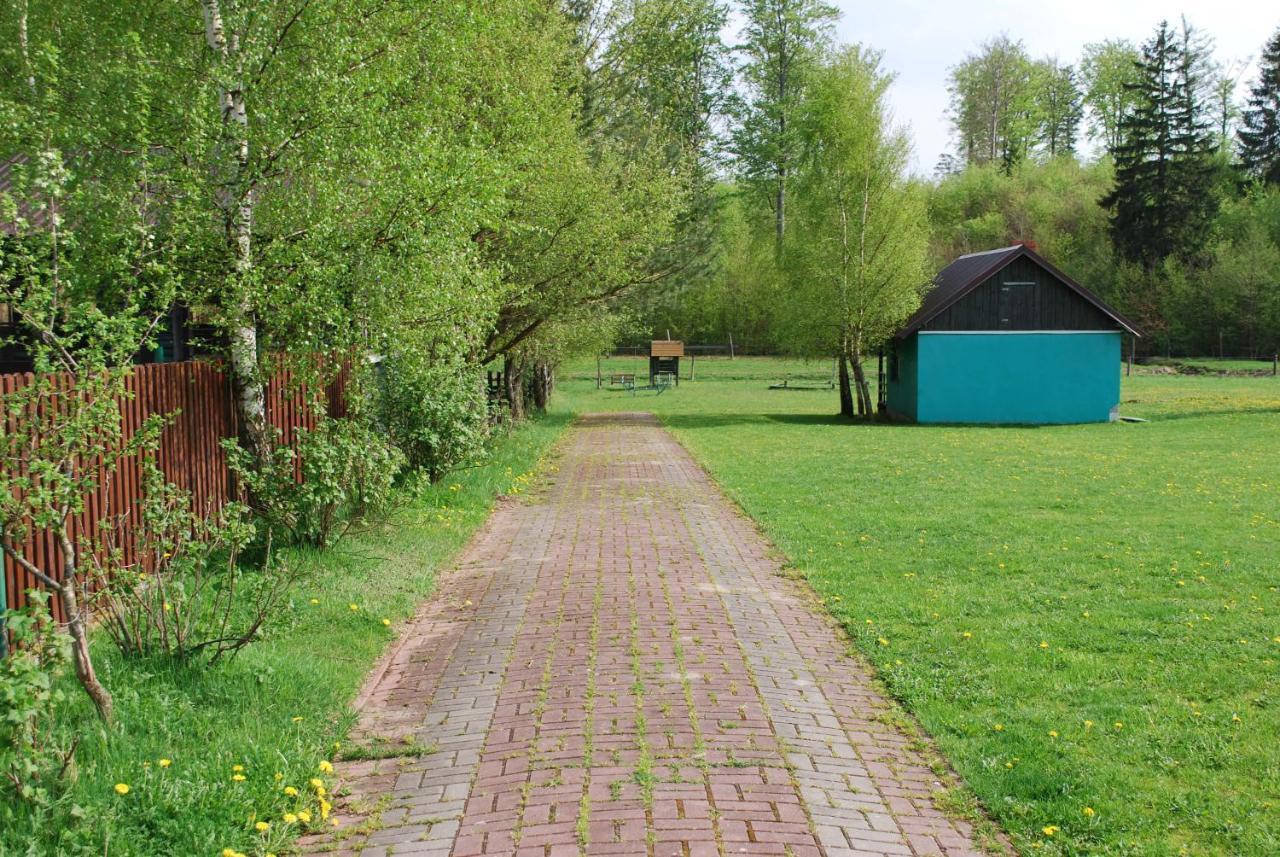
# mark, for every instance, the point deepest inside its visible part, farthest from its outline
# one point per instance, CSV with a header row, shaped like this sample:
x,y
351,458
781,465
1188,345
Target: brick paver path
x,y
616,667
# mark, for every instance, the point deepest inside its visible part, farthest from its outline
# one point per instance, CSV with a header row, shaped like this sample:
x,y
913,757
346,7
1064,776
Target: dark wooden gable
x,y
1022,295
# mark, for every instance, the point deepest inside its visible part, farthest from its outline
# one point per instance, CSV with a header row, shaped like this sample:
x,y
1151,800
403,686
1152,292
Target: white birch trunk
x,y
236,201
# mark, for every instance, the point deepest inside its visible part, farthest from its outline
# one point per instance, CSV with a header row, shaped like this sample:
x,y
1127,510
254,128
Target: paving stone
x,y
616,666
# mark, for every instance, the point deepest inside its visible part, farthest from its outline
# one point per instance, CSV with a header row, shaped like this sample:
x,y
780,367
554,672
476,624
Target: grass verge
x,y
235,736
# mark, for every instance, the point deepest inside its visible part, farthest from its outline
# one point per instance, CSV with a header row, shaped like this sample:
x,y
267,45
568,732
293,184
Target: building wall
x,y
902,384
1034,377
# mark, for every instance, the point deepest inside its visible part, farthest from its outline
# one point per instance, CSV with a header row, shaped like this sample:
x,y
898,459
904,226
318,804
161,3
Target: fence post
x,y
597,371
692,364
1275,365
731,346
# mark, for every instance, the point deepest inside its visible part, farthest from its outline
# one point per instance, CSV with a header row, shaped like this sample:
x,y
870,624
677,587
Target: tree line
x,y
1134,167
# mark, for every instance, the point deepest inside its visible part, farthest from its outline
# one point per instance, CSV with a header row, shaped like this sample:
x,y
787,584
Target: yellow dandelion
x,y
337,745
228,852
237,778
1235,718
317,783
315,600
290,791
354,607
304,816
289,818
278,776
999,727
1049,830
122,788
262,826
237,768
386,622
882,641
164,763
325,767
1088,724
297,719
967,634
1089,812
1008,764
1053,733
1118,725
1044,644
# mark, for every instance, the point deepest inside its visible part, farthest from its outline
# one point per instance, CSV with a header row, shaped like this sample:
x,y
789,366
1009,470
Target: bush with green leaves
x,y
190,593
347,470
31,761
437,413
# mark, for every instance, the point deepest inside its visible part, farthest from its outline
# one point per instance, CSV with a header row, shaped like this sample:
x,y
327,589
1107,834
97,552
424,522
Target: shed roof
x,y
972,269
666,348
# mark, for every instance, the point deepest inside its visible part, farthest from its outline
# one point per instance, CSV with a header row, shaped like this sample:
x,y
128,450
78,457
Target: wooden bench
x,y
625,380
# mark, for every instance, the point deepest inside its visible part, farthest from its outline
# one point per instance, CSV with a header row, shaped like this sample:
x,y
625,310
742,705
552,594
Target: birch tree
x,y
782,41
856,259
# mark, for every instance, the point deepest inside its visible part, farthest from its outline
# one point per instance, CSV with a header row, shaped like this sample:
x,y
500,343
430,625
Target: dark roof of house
x,y
972,269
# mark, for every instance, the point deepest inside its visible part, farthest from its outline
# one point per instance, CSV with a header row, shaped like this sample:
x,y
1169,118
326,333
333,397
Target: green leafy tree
x,y
1259,133
783,41
993,96
856,261
1059,107
659,85
1109,75
85,272
1166,174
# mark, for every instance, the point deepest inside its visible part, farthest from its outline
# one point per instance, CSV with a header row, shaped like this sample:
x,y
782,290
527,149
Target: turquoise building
x,y
1005,337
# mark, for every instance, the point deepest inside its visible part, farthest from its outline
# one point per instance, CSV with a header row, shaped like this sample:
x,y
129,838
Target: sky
x,y
922,40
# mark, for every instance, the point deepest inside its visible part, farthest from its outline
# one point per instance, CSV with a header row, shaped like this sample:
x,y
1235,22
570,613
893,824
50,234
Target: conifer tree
x,y
1259,133
1164,198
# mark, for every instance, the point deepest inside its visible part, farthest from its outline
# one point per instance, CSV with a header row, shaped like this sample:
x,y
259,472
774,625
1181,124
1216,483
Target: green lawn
x,y
276,710
1082,616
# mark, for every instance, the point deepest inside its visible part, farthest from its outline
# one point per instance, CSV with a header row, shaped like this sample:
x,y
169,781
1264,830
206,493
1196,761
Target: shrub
x,y
436,413
31,762
188,594
347,470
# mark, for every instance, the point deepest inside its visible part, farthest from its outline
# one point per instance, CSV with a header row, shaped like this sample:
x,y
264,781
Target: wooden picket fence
x,y
198,397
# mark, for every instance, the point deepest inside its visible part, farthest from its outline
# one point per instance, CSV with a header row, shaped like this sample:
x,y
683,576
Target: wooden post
x,y
692,365
597,371
1275,365
731,346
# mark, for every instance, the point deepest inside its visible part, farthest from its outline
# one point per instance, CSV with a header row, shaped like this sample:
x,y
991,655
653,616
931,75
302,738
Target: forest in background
x,y
1135,169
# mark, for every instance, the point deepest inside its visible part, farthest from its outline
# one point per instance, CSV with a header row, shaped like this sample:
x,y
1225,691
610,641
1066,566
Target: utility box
x,y
664,356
